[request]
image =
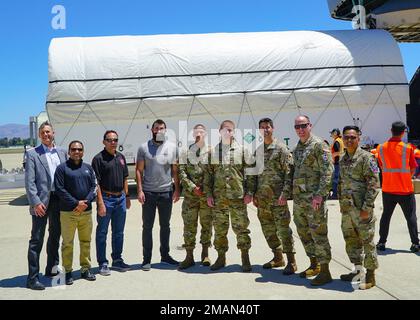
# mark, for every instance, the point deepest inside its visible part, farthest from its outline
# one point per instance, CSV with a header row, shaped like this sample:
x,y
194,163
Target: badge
x,y
122,161
373,166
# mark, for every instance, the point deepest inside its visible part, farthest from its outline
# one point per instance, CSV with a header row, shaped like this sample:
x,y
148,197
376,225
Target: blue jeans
x,y
335,180
163,202
116,214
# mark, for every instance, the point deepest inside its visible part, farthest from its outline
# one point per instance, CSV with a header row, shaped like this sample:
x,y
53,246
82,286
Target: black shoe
x,y
69,279
87,275
380,246
169,260
120,266
414,248
35,285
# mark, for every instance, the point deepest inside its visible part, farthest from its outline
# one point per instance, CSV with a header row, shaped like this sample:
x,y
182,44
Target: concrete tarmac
x,y
398,276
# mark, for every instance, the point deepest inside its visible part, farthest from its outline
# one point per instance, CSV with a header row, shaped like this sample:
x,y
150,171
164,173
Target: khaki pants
x,y
70,222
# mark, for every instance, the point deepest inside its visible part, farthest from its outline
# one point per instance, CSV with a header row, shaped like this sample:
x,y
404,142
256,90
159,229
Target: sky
x,y
26,31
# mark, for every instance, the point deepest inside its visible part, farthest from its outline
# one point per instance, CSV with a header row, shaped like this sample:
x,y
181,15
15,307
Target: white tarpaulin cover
x,y
336,77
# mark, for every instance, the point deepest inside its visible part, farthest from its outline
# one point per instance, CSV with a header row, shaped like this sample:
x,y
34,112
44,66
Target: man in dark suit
x,y
40,166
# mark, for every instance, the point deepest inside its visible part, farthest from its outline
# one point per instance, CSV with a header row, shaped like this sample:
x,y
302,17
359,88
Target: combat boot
x,y
189,260
313,269
350,276
246,264
277,261
220,262
205,260
369,281
323,277
291,267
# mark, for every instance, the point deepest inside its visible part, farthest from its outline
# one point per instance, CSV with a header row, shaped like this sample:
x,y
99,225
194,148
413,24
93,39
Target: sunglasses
x,y
301,126
111,140
350,137
76,149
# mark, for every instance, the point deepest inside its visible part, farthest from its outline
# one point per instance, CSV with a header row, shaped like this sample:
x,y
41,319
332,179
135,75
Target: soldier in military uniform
x,y
225,185
311,184
357,190
191,173
270,197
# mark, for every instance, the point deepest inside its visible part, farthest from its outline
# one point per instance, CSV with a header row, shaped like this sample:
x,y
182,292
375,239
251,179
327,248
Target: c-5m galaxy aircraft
x,y
400,17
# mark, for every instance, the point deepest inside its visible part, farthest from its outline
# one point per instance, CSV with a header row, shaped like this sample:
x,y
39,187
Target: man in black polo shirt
x,y
113,201
75,185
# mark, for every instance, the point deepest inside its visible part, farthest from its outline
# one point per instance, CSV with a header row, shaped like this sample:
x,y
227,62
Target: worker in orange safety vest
x,y
398,164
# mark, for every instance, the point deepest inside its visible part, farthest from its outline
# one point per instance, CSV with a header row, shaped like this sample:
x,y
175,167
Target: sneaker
x,y
120,266
414,248
69,279
380,246
87,275
169,260
104,270
146,266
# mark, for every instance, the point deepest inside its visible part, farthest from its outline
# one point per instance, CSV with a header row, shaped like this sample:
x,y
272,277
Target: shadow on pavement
x,y
21,201
16,282
276,276
271,275
392,251
199,269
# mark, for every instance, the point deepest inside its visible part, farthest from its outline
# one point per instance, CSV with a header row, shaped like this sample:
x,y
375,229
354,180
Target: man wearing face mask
x,y
157,187
192,166
358,188
313,170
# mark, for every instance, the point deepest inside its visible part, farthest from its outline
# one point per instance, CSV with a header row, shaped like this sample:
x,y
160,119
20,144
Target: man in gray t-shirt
x,y
156,169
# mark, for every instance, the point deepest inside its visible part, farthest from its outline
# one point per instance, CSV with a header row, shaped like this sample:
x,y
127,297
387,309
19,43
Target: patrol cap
x,y
336,130
398,127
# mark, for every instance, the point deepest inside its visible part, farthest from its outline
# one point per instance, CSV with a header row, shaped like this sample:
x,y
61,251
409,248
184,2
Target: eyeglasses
x,y
301,126
350,137
111,140
76,149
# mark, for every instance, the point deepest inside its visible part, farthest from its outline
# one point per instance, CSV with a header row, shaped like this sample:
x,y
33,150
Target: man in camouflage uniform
x,y
191,173
270,197
226,188
311,184
357,189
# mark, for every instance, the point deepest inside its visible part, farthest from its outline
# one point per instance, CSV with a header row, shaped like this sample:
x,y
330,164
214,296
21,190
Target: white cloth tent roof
x,y
127,67
112,80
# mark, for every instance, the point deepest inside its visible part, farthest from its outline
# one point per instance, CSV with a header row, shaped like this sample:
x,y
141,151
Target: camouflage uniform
x,y
357,190
191,174
225,181
312,176
269,185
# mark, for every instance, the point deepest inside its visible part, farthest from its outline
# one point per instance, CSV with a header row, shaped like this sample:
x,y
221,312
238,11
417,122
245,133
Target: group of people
x,y
218,182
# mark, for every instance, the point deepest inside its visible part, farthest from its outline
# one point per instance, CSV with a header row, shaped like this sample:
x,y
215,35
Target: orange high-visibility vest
x,y
396,173
341,143
417,153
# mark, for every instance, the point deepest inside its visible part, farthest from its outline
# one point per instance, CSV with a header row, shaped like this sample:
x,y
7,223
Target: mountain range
x,y
13,130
